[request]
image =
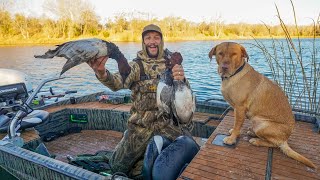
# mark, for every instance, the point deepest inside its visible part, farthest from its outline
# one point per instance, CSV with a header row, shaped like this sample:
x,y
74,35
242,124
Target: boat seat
x,y
31,120
4,119
41,114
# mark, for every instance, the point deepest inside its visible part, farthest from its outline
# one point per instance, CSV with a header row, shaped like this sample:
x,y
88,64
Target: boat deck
x,y
85,142
91,141
246,161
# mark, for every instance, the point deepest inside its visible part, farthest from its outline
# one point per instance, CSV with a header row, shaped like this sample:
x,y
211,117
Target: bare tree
x,y
6,5
21,23
69,13
318,26
217,25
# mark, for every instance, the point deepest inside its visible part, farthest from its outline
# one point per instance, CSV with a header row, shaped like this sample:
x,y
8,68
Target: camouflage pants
x,y
133,145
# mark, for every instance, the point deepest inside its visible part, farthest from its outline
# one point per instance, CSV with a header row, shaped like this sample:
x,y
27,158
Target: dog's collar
x,y
237,71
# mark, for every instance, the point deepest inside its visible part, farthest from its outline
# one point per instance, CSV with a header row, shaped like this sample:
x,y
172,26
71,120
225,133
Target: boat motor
x,y
10,76
12,98
15,111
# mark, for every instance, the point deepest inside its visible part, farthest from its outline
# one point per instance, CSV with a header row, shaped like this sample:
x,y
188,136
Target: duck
x,y
175,97
85,50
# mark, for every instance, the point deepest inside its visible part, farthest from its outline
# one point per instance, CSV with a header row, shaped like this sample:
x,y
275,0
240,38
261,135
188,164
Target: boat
x,y
95,123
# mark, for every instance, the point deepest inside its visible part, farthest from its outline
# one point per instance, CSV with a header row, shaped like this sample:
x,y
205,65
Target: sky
x,y
228,11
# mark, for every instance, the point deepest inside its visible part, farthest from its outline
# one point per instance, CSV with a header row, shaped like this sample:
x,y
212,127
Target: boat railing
x,y
23,112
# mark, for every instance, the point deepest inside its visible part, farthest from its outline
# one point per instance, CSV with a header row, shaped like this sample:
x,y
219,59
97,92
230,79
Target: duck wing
x,y
77,52
80,51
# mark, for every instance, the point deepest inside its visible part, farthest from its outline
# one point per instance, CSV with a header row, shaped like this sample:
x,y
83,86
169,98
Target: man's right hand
x,y
98,66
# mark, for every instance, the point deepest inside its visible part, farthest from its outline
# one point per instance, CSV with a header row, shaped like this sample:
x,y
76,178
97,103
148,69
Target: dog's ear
x,y
212,52
244,53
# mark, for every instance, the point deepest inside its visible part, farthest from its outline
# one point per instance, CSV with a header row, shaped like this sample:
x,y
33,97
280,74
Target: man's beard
x,y
153,56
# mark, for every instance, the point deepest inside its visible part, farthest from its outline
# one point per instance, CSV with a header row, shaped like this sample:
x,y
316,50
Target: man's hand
x,y
175,63
178,72
98,67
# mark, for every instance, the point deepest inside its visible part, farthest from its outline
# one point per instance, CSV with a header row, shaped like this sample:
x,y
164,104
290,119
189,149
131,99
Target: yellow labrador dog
x,y
256,97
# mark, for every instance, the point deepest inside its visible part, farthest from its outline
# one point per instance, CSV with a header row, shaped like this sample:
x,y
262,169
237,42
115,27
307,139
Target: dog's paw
x,y
229,140
230,131
261,142
251,133
253,141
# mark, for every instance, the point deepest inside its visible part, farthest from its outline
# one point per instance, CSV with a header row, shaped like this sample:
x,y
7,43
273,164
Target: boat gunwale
x,y
50,163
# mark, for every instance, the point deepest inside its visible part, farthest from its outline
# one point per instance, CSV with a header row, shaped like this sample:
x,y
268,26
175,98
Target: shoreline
x,y
43,42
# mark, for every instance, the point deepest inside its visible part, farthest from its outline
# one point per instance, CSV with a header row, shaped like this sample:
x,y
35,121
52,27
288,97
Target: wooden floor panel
x,y
85,142
188,176
233,165
307,143
247,161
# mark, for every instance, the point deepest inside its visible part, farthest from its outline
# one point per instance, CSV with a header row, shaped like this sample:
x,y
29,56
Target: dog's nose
x,y
224,67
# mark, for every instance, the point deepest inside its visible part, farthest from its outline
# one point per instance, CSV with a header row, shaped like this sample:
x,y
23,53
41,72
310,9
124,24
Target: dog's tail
x,y
291,153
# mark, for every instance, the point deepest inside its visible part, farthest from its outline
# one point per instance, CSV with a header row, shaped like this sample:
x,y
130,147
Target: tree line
x,y
70,21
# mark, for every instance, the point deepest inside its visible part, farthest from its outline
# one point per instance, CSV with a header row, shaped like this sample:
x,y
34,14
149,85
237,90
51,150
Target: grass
x,y
295,69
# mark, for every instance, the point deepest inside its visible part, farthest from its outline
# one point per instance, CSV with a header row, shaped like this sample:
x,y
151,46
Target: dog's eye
x,y
220,54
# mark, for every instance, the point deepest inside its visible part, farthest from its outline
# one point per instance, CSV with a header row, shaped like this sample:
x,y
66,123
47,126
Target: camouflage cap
x,y
148,28
151,27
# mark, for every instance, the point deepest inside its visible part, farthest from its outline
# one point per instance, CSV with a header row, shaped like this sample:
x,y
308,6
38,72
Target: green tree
x,y
5,24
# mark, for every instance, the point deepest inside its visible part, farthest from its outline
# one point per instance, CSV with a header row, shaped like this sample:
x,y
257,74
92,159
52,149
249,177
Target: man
x,y
145,121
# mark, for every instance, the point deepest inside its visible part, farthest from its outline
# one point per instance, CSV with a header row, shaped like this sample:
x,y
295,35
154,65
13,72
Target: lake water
x,y
201,73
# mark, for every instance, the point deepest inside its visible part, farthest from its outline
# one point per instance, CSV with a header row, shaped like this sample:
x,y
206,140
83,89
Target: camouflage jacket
x,y
143,91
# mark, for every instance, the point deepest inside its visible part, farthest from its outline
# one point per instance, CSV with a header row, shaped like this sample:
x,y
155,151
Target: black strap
x,y
143,75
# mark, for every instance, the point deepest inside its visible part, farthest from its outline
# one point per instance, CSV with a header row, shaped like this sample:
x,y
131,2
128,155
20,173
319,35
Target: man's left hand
x,y
178,72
